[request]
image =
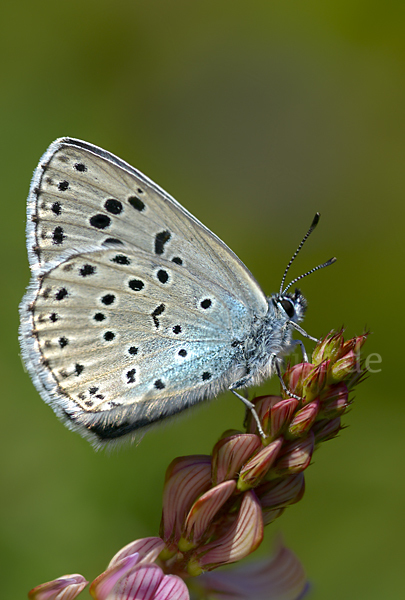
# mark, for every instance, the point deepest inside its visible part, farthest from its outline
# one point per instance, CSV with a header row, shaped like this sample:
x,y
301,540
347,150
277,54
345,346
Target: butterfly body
x,y
135,310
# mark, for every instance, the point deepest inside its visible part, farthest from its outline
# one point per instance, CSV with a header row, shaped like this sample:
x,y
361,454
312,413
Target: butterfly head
x,y
292,305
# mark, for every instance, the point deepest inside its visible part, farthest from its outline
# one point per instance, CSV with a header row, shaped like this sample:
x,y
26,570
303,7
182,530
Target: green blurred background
x,y
253,115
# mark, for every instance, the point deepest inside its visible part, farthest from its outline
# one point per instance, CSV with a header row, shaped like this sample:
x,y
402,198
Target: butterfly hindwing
x,y
109,331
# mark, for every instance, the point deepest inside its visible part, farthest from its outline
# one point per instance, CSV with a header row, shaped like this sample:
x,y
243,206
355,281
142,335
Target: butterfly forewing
x,y
83,196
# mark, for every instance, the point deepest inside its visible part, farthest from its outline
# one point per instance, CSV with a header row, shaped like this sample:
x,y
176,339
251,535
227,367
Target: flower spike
x,y
215,507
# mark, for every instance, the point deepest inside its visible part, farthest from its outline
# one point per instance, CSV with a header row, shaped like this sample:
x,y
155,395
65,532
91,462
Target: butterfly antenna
x,y
314,223
326,264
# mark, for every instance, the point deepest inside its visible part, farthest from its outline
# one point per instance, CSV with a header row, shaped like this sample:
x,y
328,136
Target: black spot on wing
x,y
131,376
136,285
158,311
58,235
163,276
56,208
60,294
113,242
113,206
100,221
87,270
63,341
79,369
206,303
121,259
137,203
108,299
160,241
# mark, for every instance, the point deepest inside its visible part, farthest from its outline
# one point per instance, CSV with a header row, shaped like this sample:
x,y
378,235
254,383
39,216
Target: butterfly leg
x,y
304,352
302,331
276,363
251,407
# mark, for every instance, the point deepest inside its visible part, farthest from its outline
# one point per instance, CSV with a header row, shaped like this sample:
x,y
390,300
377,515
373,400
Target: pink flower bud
x,y
354,344
263,406
147,582
281,415
281,492
328,348
315,381
347,347
334,401
343,368
360,341
257,467
294,376
303,420
230,453
203,512
148,549
349,363
295,456
242,537
102,587
326,429
66,587
186,479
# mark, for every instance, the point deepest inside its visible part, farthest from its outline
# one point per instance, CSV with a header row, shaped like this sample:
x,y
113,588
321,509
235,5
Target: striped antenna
x,y
326,264
314,223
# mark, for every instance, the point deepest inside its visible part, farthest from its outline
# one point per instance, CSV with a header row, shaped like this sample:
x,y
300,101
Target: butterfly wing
x,y
83,196
135,310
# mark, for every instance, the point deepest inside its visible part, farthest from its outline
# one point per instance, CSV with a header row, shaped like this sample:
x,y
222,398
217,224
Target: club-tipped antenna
x,y
325,264
314,223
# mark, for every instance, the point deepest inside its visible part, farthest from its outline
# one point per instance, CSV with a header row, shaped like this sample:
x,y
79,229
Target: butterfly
x,y
136,310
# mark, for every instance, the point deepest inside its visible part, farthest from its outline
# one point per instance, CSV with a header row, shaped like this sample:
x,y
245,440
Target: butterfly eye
x,y
288,307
